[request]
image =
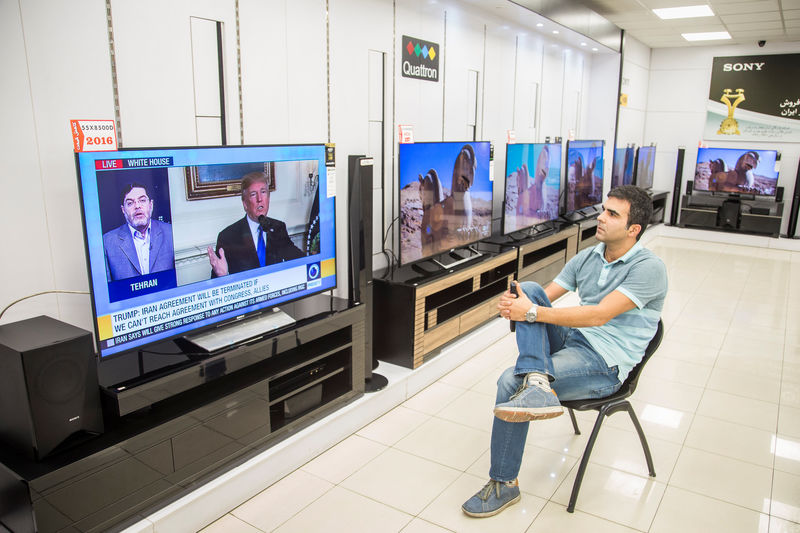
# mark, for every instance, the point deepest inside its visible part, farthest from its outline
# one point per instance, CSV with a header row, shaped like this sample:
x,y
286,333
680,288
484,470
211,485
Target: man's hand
x,y
218,263
514,307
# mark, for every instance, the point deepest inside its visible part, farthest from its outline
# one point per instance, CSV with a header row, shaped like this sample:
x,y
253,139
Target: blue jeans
x,y
575,369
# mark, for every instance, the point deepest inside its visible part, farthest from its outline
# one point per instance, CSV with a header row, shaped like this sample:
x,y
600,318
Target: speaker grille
x,y
60,381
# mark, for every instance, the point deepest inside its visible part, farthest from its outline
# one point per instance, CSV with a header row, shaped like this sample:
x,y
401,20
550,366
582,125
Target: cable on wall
x,y
115,87
239,74
55,291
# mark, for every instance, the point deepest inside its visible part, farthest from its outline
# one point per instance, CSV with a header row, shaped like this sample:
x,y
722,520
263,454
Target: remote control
x,y
513,289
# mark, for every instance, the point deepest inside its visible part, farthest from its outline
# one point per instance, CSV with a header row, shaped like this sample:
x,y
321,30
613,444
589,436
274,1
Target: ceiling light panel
x,y
684,12
706,36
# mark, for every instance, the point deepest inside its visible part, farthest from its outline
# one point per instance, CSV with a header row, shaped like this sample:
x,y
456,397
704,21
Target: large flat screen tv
x,y
445,197
645,166
736,170
623,168
172,236
584,184
533,185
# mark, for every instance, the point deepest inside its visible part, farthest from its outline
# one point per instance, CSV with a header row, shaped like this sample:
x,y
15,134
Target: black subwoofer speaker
x,y
49,393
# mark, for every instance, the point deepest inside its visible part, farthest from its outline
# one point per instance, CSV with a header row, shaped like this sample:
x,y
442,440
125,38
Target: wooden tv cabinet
x,y
416,314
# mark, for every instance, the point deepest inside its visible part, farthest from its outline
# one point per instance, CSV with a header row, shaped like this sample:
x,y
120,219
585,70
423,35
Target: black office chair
x,y
608,406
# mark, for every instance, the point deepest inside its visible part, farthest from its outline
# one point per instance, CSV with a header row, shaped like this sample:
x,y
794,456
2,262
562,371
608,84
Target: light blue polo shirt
x,y
641,276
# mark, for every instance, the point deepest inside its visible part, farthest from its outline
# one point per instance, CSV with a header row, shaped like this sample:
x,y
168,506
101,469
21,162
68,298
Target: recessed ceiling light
x,y
583,44
594,49
685,12
706,36
555,32
539,24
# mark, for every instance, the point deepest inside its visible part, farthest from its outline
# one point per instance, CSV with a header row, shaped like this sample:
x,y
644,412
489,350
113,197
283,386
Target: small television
x,y
171,239
445,197
624,164
584,183
533,185
737,170
645,166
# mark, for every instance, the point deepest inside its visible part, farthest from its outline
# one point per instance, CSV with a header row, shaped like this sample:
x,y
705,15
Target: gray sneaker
x,y
533,401
491,499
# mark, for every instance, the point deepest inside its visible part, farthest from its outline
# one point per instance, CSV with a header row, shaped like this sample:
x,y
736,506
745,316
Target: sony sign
x,y
739,67
420,59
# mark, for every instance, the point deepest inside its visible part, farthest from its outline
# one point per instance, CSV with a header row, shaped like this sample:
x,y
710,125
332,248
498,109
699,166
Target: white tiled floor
x,y
719,403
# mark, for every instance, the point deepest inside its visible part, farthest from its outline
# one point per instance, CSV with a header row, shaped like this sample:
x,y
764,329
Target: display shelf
x,y
659,199
541,260
738,215
152,457
587,229
415,315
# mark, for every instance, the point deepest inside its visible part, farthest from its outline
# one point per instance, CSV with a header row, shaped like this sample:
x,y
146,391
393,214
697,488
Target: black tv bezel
x,y
636,168
561,183
566,175
399,206
208,327
735,194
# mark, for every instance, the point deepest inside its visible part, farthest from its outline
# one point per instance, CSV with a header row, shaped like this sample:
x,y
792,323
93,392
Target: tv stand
x,y
730,213
274,387
246,331
416,314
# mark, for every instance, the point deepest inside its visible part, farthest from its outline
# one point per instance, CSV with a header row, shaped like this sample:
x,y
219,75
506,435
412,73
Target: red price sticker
x,y
406,133
93,135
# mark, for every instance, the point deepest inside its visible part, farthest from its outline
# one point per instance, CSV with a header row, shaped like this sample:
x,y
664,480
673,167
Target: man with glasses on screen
x,y
255,240
142,245
578,352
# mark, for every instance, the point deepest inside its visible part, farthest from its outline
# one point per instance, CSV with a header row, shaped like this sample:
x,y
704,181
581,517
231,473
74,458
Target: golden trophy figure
x,y
729,126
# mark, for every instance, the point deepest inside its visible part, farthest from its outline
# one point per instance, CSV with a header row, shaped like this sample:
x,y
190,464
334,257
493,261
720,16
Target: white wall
x,y
307,75
52,73
676,111
635,83
601,115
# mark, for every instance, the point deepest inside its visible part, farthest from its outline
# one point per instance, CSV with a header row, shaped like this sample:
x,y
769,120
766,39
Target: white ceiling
x,y
747,22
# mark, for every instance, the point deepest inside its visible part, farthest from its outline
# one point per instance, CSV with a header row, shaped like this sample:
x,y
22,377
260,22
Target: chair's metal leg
x,y
645,447
576,487
574,422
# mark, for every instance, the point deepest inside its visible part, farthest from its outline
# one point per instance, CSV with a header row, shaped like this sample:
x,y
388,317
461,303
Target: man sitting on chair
x,y
577,352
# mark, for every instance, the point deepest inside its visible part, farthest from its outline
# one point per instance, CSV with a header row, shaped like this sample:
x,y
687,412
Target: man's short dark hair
x,y
128,188
641,205
254,177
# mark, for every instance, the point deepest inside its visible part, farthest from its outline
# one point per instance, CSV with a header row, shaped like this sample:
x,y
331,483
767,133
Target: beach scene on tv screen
x,y
584,174
736,170
445,197
533,180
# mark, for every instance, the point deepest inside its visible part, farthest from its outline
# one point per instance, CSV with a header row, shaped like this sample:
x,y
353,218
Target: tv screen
x,y
622,170
645,166
445,197
584,174
533,185
736,170
182,238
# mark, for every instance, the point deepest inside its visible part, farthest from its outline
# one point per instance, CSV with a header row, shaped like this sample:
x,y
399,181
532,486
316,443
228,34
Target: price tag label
x,y
93,135
331,172
406,133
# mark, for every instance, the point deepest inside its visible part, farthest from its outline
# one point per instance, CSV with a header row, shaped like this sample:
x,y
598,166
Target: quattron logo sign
x,y
420,59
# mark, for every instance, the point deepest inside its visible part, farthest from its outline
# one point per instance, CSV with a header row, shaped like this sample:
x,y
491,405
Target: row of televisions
x,y
192,198
439,212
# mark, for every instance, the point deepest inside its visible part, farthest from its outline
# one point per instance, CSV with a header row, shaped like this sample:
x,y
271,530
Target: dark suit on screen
x,y
240,252
120,252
